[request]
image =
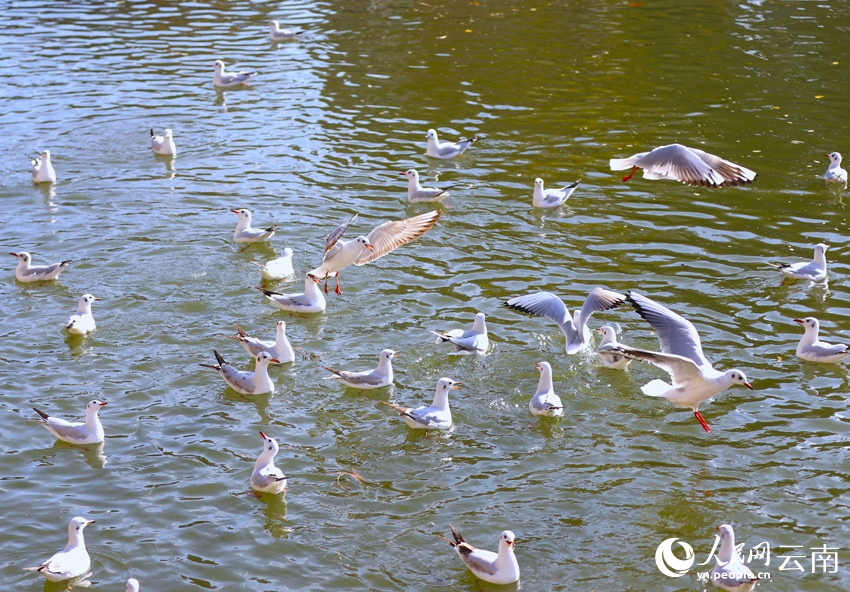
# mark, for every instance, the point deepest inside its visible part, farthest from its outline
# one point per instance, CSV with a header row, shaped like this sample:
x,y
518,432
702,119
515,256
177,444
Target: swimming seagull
x,y
164,144
278,34
72,561
418,194
496,568
266,477
132,585
814,270
257,382
835,177
42,169
276,269
26,272
694,378
224,79
280,348
609,341
691,166
90,432
310,301
545,401
546,304
245,234
730,573
436,416
439,149
82,321
812,349
551,198
471,341
383,239
370,379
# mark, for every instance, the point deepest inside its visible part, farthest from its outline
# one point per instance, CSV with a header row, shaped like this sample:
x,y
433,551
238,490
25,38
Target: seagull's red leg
x,y
702,422
629,176
338,291
326,284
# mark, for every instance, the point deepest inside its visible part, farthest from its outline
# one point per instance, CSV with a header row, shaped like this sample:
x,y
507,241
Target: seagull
x,y
72,561
246,383
545,401
90,432
370,379
496,568
546,304
280,348
42,169
267,477
472,341
814,270
691,166
164,144
811,349
418,194
224,79
245,234
311,300
277,269
730,573
278,34
132,585
551,198
383,239
82,321
694,378
26,273
439,149
609,341
835,177
437,416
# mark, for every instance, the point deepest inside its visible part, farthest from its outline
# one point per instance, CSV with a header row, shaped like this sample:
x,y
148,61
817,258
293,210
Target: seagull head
x,y
809,324
447,383
739,377
834,157
265,358
365,242
46,155
23,256
242,213
168,133
218,65
820,249
78,524
726,532
273,25
281,325
538,182
506,539
388,354
94,406
608,332
87,299
269,444
411,174
431,135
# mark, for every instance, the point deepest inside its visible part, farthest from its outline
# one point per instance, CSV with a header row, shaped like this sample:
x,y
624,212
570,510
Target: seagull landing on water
x,y
471,341
42,169
257,382
164,144
370,379
609,342
551,198
26,272
694,378
545,401
71,562
730,573
276,269
835,177
439,149
691,166
244,233
812,349
82,321
278,34
267,477
310,301
418,194
280,349
90,432
437,416
814,270
224,79
496,568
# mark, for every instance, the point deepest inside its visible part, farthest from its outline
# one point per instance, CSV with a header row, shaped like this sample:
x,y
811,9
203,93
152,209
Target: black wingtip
x,y
41,413
152,134
218,358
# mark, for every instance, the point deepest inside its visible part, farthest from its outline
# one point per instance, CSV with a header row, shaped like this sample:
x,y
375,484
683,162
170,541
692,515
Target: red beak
x,y
235,211
263,435
798,321
369,246
102,403
748,385
13,254
402,174
827,155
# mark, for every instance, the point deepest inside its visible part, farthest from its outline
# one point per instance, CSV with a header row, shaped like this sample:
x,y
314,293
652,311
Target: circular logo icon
x,y
669,564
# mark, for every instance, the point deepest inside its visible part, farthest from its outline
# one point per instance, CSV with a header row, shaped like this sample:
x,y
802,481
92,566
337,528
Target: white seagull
x,y
72,561
224,79
370,379
257,382
42,169
280,349
277,269
609,341
439,149
418,194
814,270
811,349
26,272
546,304
436,416
82,321
730,573
383,239
835,177
551,198
471,341
244,233
496,568
545,401
310,301
267,477
688,165
694,378
90,432
278,34
164,144
132,585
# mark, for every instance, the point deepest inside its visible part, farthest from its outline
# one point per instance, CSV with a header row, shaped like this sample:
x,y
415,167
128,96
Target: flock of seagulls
x,y
693,379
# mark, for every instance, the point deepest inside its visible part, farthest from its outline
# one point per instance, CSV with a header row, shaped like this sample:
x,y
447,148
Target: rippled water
x,y
556,90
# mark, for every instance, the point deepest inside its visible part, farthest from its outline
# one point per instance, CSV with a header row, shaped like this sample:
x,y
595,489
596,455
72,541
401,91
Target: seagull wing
x,y
598,300
678,335
680,368
334,236
389,236
732,174
545,304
